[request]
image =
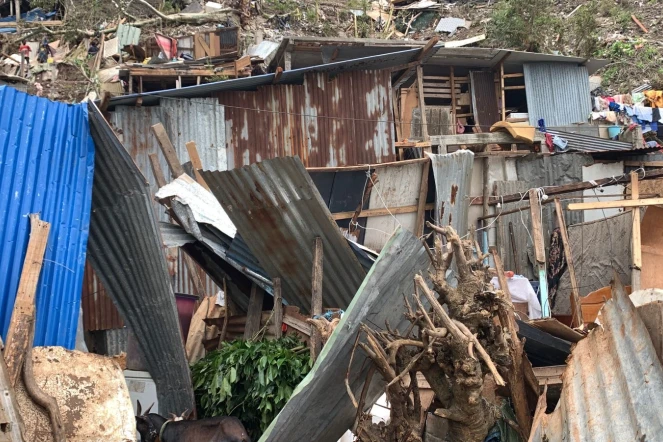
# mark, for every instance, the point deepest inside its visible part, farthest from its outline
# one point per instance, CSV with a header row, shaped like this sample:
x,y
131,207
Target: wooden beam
x,y
23,315
513,88
421,201
398,120
422,104
636,240
568,188
425,50
520,75
168,150
454,111
13,421
639,23
196,163
278,308
549,375
382,212
316,295
502,90
539,250
643,163
187,73
617,204
254,312
576,311
366,167
479,138
156,170
503,153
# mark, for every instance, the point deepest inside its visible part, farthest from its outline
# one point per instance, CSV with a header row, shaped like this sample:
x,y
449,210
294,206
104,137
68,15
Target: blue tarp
x,y
46,167
36,14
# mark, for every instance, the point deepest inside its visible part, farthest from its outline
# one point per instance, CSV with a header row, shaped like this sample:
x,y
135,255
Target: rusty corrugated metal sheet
x,y
125,250
99,312
613,384
279,213
326,122
484,99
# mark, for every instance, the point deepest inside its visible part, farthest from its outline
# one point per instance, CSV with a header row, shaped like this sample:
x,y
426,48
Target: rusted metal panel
x,y
484,99
279,213
342,121
99,312
613,383
453,178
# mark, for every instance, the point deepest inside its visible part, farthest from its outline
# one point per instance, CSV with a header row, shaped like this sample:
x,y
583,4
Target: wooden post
x,y
226,318
196,281
399,133
636,240
515,376
421,202
254,312
168,150
196,163
422,103
316,297
23,315
514,249
502,90
156,170
278,308
576,311
452,82
539,249
17,11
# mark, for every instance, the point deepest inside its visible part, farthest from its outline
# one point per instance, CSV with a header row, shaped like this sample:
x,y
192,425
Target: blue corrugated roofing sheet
x,y
46,167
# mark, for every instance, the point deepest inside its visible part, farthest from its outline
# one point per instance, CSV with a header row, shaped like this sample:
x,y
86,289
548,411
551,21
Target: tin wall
x,y
327,122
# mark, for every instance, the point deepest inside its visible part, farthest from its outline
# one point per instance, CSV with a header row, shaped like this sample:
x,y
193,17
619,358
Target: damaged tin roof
x,y
279,213
613,384
125,250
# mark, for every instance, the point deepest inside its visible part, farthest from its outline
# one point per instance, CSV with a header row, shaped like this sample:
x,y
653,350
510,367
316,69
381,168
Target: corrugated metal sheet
x,y
558,93
484,99
99,312
294,76
228,39
125,250
453,178
46,167
127,35
585,143
326,122
613,384
320,408
279,213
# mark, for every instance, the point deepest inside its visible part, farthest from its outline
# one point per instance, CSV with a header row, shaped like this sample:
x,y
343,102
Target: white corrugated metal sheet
x,y
613,384
453,179
558,93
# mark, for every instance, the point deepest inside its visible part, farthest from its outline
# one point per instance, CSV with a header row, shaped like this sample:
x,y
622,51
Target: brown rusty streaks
x,y
454,191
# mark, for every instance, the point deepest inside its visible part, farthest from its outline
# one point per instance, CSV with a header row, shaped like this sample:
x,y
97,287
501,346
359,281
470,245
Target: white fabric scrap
x,y
522,291
205,207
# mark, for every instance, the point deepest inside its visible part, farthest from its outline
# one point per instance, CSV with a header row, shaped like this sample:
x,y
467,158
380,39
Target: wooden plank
x,y
156,170
316,295
454,110
382,212
45,23
636,240
421,202
458,80
465,42
397,116
278,308
12,420
639,23
539,249
254,312
173,72
576,311
514,88
168,150
617,204
643,163
503,153
196,163
23,315
366,167
567,188
478,138
200,40
550,376
502,90
422,104
520,75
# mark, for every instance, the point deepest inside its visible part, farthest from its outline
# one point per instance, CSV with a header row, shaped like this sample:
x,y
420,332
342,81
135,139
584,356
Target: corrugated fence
x,y
46,167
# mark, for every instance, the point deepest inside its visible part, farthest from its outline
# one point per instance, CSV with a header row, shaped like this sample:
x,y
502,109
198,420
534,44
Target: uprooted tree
x,y
454,348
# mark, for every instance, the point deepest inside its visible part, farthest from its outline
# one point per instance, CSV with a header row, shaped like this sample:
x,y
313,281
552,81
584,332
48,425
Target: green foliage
x,y
250,380
282,6
169,7
584,37
524,24
47,5
632,63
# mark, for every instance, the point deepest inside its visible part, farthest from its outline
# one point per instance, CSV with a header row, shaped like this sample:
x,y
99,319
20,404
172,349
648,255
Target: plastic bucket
x,y
613,131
